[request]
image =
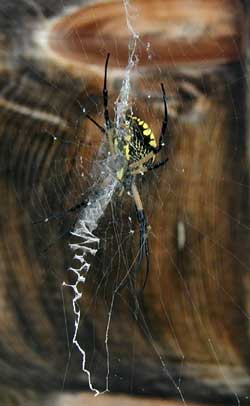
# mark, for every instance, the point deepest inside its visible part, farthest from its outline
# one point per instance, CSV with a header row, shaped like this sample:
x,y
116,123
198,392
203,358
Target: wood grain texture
x,y
192,330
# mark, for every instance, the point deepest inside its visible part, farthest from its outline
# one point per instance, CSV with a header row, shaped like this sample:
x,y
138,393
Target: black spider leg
x,y
143,252
95,122
165,121
83,203
105,102
143,247
157,164
162,135
57,216
105,95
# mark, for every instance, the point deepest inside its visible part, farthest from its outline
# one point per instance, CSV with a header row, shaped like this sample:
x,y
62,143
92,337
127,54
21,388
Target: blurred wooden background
x,y
191,337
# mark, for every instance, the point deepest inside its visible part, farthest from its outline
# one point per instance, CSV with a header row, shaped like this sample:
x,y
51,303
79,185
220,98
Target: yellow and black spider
x,y
139,147
137,144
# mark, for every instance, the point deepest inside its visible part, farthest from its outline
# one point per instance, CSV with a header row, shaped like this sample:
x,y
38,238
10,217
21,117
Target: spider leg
x,y
105,102
157,164
165,121
143,252
96,124
141,162
144,245
60,215
105,96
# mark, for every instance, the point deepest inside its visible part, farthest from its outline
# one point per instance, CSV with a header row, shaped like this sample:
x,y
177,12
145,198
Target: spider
x,y
139,148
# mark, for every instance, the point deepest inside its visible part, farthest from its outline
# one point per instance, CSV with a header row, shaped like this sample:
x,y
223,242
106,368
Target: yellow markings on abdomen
x,y
147,132
152,141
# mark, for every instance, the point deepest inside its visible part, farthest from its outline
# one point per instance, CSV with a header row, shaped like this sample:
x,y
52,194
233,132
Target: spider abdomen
x,y
140,140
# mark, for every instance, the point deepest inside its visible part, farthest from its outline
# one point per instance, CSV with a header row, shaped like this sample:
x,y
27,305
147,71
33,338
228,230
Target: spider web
x,y
91,224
